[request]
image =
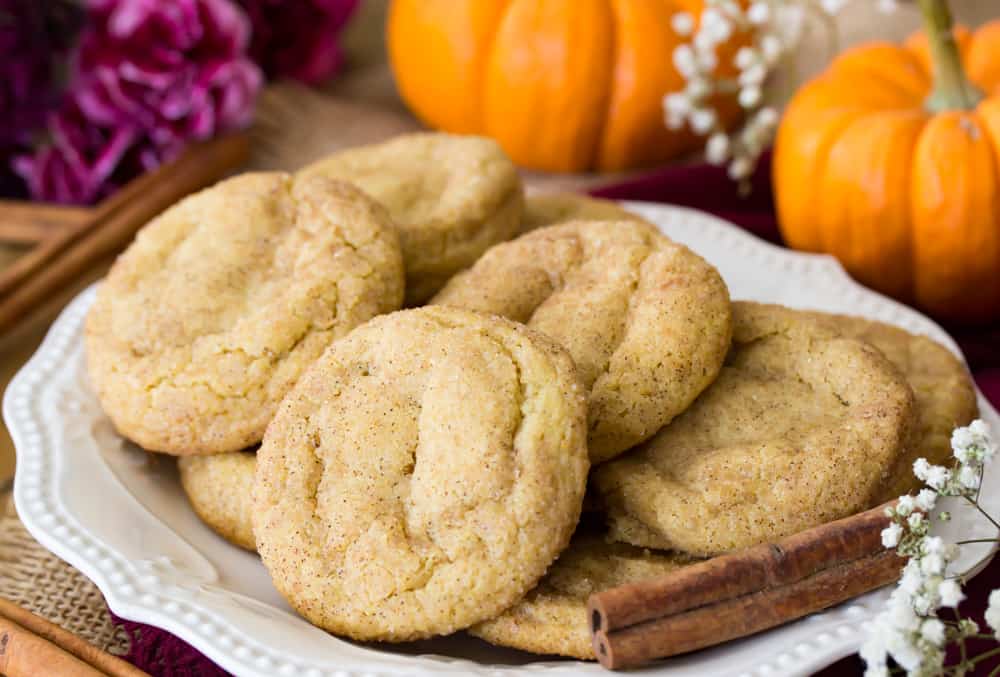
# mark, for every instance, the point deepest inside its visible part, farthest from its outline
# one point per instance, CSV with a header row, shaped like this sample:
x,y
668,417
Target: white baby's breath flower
x,y
921,467
708,60
905,505
745,57
703,120
969,477
951,593
911,580
684,61
759,13
915,521
767,118
754,75
749,96
891,534
933,631
993,612
682,23
717,148
832,6
770,47
935,476
887,6
905,653
697,89
935,545
968,627
932,564
740,168
716,24
926,499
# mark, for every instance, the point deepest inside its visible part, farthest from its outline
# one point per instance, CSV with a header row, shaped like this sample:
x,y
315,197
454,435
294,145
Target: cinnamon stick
x,y
67,642
30,223
747,592
741,616
38,257
118,222
24,654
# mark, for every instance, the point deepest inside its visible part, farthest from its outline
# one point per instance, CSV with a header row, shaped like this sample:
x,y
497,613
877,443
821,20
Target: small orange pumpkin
x,y
890,161
562,85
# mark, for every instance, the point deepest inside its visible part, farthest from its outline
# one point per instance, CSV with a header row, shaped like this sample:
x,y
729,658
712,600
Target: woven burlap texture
x,y
37,580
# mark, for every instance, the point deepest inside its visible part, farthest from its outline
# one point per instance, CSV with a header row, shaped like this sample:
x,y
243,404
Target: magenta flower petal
x,y
149,77
298,38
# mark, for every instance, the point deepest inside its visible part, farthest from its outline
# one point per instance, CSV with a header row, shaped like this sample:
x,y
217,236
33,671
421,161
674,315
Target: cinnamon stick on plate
x,y
742,593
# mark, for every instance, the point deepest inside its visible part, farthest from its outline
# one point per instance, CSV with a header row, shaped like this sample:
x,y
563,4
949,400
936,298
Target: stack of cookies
x,y
411,473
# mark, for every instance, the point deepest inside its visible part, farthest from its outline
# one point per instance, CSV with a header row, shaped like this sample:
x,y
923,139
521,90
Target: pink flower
x,y
34,39
149,77
177,69
84,162
298,38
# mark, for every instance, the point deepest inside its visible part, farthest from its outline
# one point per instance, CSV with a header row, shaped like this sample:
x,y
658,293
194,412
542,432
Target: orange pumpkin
x,y
890,161
562,85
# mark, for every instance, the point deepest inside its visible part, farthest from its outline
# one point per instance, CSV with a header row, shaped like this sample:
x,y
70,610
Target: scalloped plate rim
x,y
29,438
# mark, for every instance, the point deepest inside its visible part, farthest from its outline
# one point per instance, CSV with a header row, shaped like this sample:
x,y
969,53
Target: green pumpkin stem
x,y
952,88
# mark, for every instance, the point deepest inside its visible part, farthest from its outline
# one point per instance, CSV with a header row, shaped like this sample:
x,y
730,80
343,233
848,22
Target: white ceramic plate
x,y
104,506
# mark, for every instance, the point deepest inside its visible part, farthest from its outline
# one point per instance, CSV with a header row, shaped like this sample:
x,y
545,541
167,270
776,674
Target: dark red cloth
x,y
702,187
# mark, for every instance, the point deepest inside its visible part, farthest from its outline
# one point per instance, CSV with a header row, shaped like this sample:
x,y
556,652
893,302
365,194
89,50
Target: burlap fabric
x,y
35,579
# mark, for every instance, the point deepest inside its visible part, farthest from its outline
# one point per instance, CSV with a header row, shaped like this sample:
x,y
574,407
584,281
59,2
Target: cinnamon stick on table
x,y
31,646
39,274
28,223
742,593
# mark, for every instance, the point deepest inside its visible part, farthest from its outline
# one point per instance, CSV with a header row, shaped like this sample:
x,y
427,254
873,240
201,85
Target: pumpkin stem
x,y
952,89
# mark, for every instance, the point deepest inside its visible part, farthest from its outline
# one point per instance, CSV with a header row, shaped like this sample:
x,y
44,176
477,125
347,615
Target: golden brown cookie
x,y
552,618
548,209
219,489
211,315
452,197
945,393
422,475
646,320
802,426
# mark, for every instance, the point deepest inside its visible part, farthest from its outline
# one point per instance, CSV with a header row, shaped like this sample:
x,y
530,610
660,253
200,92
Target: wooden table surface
x,y
361,106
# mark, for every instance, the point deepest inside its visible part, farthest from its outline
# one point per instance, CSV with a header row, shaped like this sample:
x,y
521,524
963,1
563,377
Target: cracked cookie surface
x,y
548,209
552,618
422,475
211,315
451,197
802,426
944,391
219,488
646,320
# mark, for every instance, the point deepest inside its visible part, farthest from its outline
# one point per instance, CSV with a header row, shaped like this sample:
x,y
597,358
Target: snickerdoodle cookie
x,y
422,475
646,320
552,618
451,197
219,488
548,209
945,394
802,426
211,315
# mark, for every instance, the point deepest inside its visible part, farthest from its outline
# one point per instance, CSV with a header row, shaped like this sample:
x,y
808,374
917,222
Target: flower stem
x,y
952,89
978,540
983,656
984,513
